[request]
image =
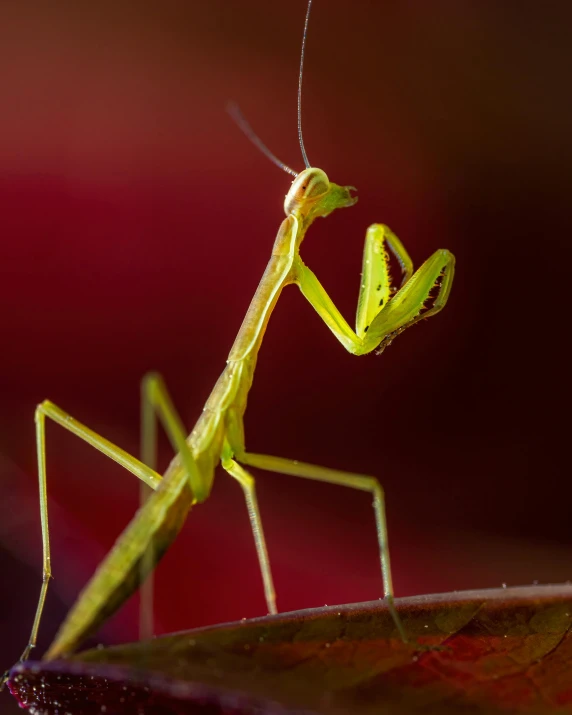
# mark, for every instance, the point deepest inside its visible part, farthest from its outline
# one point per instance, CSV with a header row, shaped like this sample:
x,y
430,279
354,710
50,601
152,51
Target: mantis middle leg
x,y
246,481
346,479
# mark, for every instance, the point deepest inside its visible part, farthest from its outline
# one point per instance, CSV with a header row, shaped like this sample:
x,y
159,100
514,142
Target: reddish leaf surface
x,y
506,650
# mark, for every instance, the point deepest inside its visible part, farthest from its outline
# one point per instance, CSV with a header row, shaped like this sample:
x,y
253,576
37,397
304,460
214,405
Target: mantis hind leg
x,y
157,400
148,453
144,540
133,465
346,479
156,404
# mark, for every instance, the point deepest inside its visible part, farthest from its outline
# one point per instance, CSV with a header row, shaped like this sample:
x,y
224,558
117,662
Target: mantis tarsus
x,y
218,437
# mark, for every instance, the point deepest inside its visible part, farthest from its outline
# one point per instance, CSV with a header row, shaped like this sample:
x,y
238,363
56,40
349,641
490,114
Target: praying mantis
x,y
218,438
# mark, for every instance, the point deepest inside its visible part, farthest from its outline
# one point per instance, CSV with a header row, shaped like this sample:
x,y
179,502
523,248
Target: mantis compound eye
x,y
306,188
310,184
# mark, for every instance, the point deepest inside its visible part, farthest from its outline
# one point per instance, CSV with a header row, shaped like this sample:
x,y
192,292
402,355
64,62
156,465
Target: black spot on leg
x,y
378,287
366,329
381,302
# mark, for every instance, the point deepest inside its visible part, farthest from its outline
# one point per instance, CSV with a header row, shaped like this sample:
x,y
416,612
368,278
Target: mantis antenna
x,y
238,117
234,111
300,138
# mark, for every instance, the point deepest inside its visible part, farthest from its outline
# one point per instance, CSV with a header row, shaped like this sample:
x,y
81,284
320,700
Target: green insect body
x,y
218,436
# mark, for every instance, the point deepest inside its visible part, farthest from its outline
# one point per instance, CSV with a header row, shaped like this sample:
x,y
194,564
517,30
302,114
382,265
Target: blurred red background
x,y
136,221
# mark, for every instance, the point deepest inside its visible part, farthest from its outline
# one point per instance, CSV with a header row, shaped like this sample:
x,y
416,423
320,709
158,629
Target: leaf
x,y
492,651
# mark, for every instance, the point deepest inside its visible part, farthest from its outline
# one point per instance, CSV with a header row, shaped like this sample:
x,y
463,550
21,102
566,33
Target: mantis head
x,y
312,194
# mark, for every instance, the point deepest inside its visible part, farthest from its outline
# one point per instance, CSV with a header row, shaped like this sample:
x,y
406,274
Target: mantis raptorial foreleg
x,y
346,479
408,305
133,465
394,314
246,481
376,282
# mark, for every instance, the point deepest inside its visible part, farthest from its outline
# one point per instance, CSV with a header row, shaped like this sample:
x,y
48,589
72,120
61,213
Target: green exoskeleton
x,y
218,437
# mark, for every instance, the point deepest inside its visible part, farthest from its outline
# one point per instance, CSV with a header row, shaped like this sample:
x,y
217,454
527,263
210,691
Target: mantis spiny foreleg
x,y
409,305
380,317
376,283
